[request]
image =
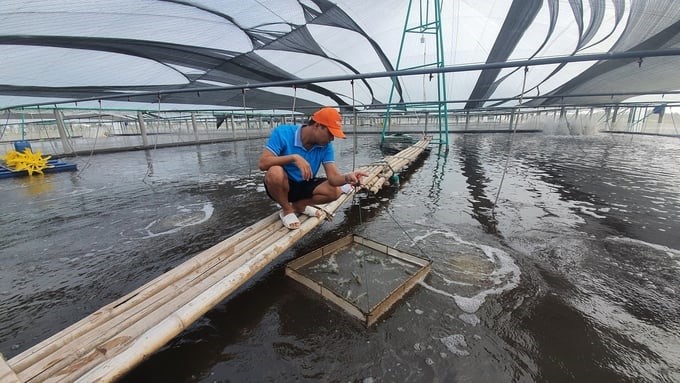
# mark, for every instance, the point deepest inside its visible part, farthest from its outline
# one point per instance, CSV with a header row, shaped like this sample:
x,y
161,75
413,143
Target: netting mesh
x,y
73,50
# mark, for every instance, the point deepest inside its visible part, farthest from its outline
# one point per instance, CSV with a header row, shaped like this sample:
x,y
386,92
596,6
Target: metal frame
x,y
426,24
407,72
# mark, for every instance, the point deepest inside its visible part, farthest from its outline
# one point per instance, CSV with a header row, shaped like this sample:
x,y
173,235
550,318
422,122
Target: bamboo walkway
x,y
107,344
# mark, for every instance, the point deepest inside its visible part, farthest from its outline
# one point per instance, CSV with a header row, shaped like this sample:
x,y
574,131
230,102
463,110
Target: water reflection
x,y
477,181
149,163
37,185
438,174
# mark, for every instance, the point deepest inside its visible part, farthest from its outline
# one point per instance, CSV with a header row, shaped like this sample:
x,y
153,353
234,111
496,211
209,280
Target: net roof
x,y
59,51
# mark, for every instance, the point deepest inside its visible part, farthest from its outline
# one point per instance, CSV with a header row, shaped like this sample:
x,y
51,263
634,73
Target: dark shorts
x,y
300,190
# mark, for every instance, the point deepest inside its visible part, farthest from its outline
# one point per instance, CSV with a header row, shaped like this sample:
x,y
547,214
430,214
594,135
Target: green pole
x,y
395,78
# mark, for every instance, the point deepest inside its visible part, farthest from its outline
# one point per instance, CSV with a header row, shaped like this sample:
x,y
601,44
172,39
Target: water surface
x,y
574,278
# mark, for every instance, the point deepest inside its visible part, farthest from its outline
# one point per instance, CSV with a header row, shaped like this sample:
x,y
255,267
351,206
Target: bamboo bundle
x,y
96,343
7,375
397,162
107,315
108,343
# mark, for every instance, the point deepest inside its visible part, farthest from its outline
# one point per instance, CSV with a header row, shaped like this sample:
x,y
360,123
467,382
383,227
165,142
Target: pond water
x,y
572,277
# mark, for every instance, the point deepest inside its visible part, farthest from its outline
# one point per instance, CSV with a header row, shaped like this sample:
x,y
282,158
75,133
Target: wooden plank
x,y
305,260
327,294
338,244
7,375
384,306
392,252
319,253
408,258
379,247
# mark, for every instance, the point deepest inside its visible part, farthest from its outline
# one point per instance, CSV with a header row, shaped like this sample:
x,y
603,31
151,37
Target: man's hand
x,y
304,167
354,178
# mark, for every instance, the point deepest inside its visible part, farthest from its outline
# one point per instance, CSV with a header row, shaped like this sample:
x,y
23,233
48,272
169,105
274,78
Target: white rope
x,y
47,133
355,198
94,144
155,139
245,115
512,137
292,112
674,127
354,129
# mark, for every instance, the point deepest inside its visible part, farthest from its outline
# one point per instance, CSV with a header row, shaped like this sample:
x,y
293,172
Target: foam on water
x,y
504,275
470,319
456,344
185,216
671,252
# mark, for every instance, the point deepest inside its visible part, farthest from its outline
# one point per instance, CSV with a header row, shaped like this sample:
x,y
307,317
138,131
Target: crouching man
x,y
292,157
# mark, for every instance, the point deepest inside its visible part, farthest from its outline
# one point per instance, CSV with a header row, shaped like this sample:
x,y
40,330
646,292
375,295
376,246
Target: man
x,y
292,157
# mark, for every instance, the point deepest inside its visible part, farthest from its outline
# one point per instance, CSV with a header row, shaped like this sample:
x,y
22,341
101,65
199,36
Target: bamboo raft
x,y
108,343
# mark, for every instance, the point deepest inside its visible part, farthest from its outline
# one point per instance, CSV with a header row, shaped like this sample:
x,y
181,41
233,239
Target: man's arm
x,y
335,178
268,159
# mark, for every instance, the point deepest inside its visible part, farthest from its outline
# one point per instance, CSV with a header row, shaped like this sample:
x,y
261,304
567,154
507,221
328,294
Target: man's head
x,y
331,120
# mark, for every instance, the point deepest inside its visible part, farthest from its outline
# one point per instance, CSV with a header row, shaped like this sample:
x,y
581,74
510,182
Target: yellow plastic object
x,y
27,160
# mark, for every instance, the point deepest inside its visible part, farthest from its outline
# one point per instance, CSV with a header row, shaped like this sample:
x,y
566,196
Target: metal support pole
x,y
429,23
142,128
607,114
393,74
233,126
427,119
662,110
65,144
614,113
631,118
193,124
512,119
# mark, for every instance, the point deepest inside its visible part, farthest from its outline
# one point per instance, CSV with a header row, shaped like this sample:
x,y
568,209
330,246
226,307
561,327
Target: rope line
x,y
409,236
47,134
355,199
94,144
158,131
512,137
245,115
292,112
674,127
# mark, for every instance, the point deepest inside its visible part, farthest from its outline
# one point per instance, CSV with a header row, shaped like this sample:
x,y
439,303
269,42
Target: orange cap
x,y
331,119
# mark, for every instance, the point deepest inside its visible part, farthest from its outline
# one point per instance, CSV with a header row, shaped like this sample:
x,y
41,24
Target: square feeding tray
x,y
363,277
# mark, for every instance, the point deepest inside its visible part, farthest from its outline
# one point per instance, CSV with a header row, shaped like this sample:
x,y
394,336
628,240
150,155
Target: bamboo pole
x,y
111,341
148,302
161,333
119,333
57,341
7,375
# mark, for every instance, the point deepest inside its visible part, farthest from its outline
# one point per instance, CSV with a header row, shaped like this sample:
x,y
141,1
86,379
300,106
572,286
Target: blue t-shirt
x,y
285,140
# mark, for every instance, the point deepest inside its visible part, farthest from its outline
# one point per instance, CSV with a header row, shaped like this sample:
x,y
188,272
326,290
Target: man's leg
x,y
276,180
323,193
